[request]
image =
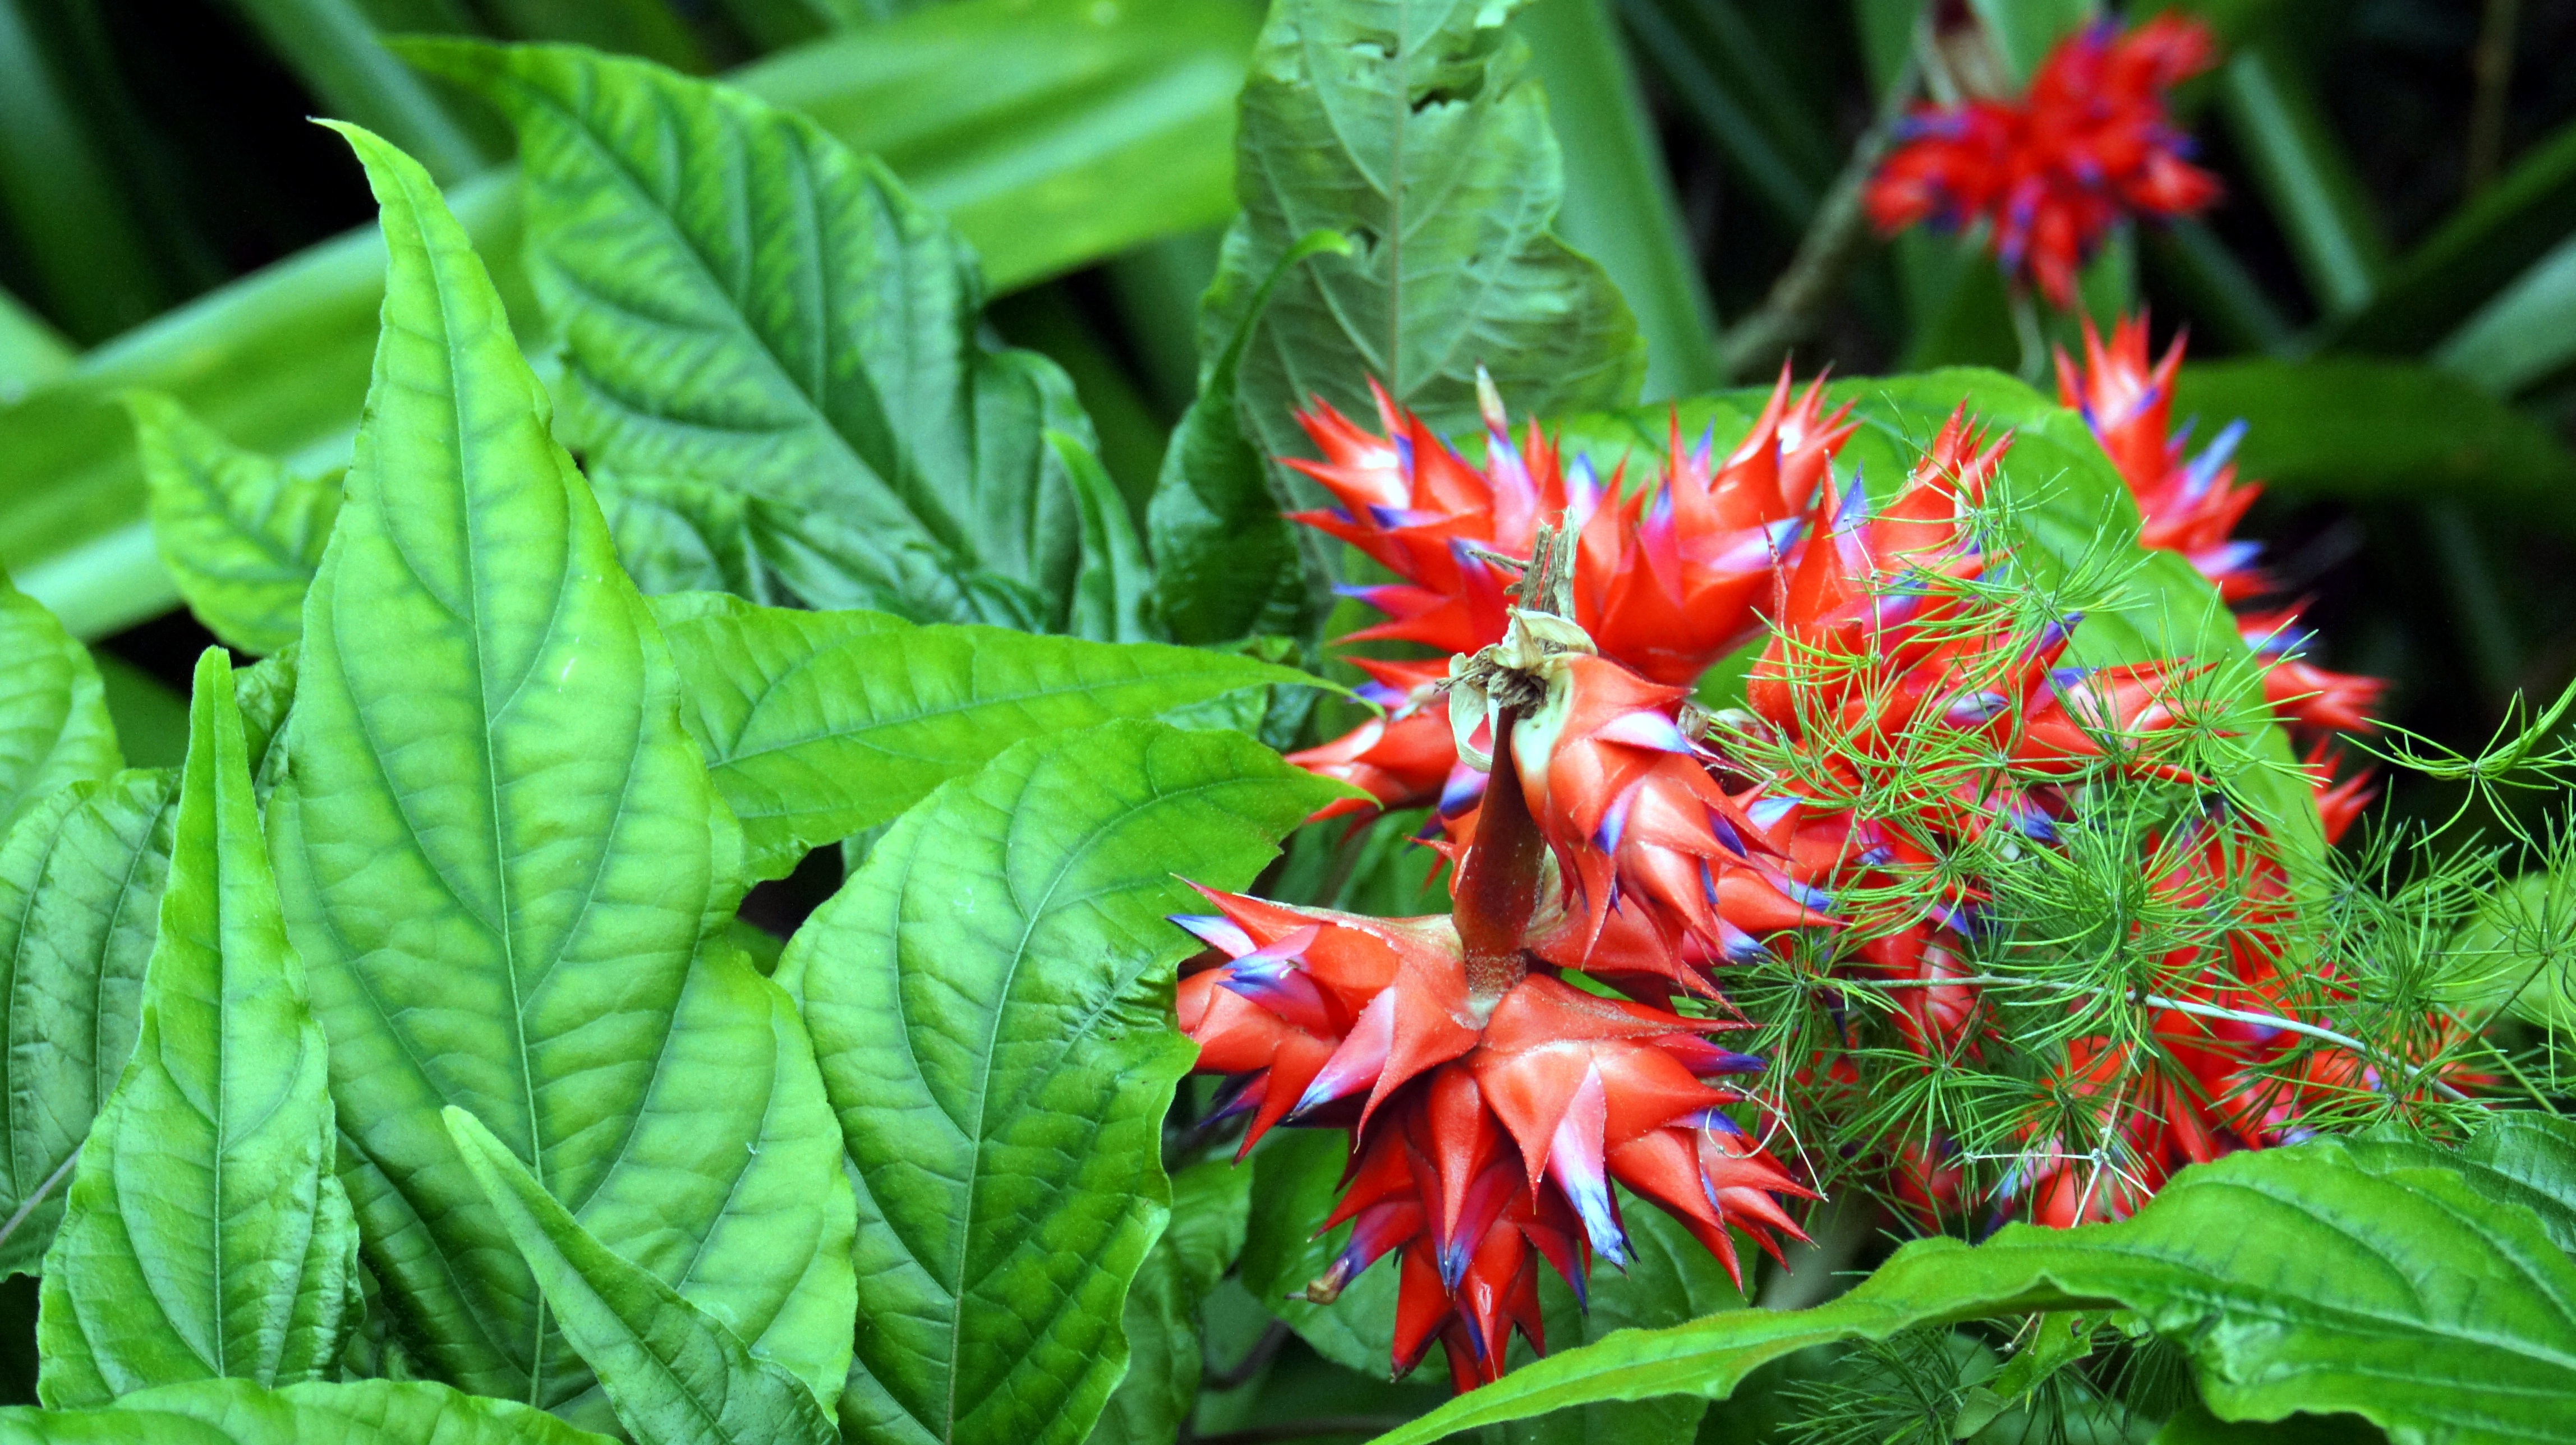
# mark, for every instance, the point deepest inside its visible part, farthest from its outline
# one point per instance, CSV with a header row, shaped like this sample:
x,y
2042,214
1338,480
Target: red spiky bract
x,y
2089,144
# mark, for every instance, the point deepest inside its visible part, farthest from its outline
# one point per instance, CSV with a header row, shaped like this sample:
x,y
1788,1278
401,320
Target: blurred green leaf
x,y
1409,129
206,1233
32,352
240,534
2384,430
60,197
2526,214
2025,30
2522,336
1618,206
1051,132
2311,185
650,29
151,719
333,49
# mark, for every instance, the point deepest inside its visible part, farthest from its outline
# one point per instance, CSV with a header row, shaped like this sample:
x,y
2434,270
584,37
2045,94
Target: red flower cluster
x,y
2191,505
1615,851
2088,145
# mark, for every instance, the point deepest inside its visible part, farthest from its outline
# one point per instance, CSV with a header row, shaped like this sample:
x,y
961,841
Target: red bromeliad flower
x,y
1490,1102
2192,506
2089,144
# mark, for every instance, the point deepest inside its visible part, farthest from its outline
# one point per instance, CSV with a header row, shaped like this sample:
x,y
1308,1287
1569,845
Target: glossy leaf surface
x,y
991,997
819,725
1412,130
240,533
206,1233
54,727
237,1412
500,855
746,301
80,904
2297,1279
673,1372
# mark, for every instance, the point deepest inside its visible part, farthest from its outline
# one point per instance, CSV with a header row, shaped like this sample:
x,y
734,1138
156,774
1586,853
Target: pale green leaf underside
x,y
991,999
2313,1279
747,302
54,727
1410,127
500,857
240,534
819,725
80,904
674,1374
206,1234
237,1412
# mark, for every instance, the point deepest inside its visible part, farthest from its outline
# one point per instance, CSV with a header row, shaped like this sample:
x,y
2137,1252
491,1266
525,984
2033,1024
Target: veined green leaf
x,y
54,727
1408,128
80,904
820,725
745,300
1228,565
240,534
2362,427
500,856
1114,581
991,1000
206,1234
237,1412
2298,1280
673,1373
1164,1358
1052,132
1296,1178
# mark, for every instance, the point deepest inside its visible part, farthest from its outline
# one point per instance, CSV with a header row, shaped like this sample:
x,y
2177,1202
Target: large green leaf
x,y
500,855
2525,334
237,1412
2473,254
819,725
2393,430
206,1233
1228,565
54,727
1409,128
745,300
80,904
240,533
2299,1280
2065,498
674,1373
1052,132
991,1000
1164,1357
1672,1279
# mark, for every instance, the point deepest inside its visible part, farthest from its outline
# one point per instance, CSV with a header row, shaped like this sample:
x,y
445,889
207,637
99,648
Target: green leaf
x,y
2394,430
1673,1279
2297,1279
819,725
240,534
501,855
2314,189
1164,1356
80,905
333,49
237,1412
54,727
1228,564
1111,589
1296,1181
1051,132
2472,255
744,299
1409,128
991,1000
2194,1425
674,1373
206,1234
2522,336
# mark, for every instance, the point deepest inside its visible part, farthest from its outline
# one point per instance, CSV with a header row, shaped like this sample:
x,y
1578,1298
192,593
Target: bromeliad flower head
x,y
2300,692
2186,505
2089,144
